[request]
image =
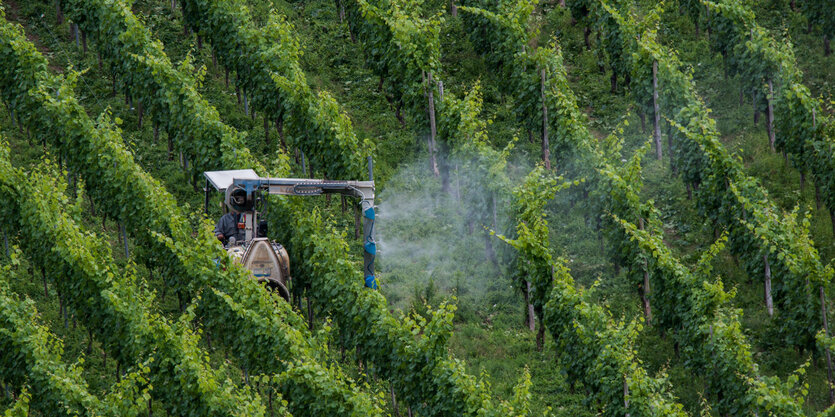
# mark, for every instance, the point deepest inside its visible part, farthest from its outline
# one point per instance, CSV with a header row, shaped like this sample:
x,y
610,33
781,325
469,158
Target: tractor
x,y
268,260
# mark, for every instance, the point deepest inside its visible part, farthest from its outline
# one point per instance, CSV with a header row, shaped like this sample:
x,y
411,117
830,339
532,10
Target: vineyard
x,y
579,208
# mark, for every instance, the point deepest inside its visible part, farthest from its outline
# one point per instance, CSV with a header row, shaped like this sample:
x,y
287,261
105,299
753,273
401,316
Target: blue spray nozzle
x,y
369,213
371,248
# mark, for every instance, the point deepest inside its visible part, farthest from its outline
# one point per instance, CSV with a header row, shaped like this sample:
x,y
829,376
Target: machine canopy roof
x,y
221,180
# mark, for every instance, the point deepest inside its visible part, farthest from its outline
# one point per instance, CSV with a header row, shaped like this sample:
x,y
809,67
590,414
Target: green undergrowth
x,y
428,250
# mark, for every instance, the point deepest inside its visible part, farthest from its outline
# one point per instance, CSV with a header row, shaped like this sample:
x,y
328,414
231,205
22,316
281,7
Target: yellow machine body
x,y
268,261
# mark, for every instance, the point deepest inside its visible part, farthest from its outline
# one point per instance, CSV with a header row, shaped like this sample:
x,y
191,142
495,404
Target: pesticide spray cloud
x,y
430,246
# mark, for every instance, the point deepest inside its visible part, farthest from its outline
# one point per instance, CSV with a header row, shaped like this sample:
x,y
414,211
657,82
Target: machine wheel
x,y
277,287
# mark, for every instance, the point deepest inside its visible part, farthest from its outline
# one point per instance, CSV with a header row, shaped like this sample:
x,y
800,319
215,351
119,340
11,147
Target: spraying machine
x,y
268,260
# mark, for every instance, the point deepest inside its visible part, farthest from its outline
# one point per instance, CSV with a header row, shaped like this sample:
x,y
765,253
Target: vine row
x,y
419,368
502,34
592,347
140,66
819,14
267,337
801,126
266,64
765,242
400,47
31,356
112,301
711,332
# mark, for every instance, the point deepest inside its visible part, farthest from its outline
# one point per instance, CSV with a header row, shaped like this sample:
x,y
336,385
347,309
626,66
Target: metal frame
x,y
364,190
249,181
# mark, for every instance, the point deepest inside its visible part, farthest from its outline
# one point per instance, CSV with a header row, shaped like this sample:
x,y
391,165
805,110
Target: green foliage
x,y
615,190
595,350
532,238
31,355
266,336
139,65
820,15
693,306
401,47
20,407
266,64
704,163
463,133
423,298
269,343
409,352
112,301
600,353
610,187
802,128
503,29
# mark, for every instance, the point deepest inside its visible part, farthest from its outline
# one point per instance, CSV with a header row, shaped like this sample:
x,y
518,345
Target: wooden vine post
x,y
826,350
170,147
770,115
540,333
673,166
546,151
266,130
644,289
626,396
529,318
140,112
59,14
656,121
432,128
443,159
817,192
394,401
769,301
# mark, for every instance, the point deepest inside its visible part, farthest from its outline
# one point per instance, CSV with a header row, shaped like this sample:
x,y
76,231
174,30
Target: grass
x,y
432,253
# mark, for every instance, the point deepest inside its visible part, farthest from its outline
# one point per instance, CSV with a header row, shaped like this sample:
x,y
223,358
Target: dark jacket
x,y
228,226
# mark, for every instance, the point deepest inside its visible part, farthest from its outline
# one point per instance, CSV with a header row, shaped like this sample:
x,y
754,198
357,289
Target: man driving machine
x,y
231,225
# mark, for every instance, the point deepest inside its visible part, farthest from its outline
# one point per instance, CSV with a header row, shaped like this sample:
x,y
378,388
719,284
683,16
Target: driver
x,y
227,226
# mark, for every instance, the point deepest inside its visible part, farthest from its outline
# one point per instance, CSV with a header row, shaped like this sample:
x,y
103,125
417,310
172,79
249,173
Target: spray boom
x,y
243,186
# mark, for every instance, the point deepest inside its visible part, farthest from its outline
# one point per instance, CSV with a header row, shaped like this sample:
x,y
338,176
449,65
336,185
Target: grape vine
x,y
701,321
592,347
820,16
112,302
20,408
613,191
31,355
444,381
703,163
266,63
269,338
419,367
140,66
400,47
801,127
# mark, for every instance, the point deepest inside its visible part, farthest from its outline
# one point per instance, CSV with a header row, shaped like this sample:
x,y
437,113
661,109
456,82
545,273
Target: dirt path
x,y
13,14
